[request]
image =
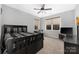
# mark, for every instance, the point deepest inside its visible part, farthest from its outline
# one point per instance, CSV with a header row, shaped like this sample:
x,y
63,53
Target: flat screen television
x,y
67,30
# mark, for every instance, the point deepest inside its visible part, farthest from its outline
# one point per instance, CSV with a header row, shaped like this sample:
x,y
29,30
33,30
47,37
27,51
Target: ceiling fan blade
x,y
48,9
36,9
39,11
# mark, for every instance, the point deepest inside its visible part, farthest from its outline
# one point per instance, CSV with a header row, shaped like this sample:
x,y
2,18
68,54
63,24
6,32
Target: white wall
x,y
77,10
13,16
67,20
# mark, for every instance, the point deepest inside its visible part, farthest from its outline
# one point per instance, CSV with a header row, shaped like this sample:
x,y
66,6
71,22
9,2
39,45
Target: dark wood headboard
x,y
11,29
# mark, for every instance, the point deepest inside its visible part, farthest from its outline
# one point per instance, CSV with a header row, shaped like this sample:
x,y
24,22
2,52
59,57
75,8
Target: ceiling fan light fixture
x,y
42,9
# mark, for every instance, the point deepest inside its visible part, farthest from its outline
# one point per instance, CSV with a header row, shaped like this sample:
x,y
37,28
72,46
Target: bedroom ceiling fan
x,y
42,9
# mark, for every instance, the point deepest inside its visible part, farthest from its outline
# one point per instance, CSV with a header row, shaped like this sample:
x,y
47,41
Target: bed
x,y
20,41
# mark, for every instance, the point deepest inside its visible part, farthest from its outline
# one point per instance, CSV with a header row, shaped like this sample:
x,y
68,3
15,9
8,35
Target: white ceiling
x,y
56,8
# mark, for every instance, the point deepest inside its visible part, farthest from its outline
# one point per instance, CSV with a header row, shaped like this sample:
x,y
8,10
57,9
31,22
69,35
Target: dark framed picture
x,y
36,27
48,27
56,27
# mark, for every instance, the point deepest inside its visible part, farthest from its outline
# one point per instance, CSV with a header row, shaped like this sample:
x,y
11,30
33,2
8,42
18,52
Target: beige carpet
x,y
52,46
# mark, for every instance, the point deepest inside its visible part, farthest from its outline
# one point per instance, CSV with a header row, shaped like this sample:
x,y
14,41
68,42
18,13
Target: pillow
x,y
8,29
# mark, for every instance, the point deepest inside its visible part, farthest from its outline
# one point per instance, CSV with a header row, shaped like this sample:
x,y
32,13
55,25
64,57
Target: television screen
x,y
67,30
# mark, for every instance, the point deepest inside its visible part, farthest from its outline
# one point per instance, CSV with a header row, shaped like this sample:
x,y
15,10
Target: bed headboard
x,y
11,29
22,28
15,28
7,29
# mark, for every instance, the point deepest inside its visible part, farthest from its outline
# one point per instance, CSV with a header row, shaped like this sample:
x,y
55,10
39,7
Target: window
x,y
36,27
53,23
48,27
56,27
48,24
56,23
